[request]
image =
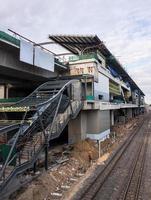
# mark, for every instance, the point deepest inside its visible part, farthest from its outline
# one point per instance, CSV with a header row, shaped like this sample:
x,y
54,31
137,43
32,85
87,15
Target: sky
x,y
123,25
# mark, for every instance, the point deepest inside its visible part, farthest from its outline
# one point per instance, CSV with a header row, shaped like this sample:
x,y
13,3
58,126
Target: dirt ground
x,y
70,165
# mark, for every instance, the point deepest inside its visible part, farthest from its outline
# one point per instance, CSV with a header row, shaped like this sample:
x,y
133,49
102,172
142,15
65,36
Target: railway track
x,y
92,190
131,189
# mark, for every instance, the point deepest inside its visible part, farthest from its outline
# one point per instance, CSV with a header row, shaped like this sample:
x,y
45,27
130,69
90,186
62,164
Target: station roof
x,y
80,43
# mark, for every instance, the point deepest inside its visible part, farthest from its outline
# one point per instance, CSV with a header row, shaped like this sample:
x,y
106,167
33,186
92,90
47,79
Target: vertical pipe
x,y
93,88
99,147
6,91
34,169
85,88
19,158
46,157
33,55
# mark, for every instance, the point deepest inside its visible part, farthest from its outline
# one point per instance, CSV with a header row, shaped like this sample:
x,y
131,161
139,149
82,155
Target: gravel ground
x,y
114,184
145,191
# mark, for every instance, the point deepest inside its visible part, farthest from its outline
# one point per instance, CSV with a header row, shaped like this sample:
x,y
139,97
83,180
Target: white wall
x,y
102,87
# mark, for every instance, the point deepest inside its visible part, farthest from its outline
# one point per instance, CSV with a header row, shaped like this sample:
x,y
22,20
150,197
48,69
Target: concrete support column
x,y
2,91
77,128
6,91
138,111
134,112
98,124
122,117
93,124
112,117
129,113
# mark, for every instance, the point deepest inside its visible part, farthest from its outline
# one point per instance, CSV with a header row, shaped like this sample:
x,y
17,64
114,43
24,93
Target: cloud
x,y
142,77
124,26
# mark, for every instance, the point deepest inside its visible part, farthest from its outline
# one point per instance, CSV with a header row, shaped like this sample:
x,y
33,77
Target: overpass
x,y
18,74
12,66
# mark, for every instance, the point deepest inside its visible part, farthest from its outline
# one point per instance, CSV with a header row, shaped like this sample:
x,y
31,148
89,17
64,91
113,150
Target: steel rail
x,y
106,171
139,159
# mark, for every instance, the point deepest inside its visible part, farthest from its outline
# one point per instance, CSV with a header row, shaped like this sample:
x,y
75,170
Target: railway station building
x,y
73,95
108,93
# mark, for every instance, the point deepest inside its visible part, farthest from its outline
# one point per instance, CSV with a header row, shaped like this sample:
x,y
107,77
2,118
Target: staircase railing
x,y
63,118
53,130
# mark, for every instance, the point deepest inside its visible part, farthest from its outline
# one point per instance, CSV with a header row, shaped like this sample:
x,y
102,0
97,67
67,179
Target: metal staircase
x,y
47,111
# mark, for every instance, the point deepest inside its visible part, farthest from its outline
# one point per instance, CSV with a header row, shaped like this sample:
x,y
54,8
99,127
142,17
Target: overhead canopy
x,y
81,44
77,43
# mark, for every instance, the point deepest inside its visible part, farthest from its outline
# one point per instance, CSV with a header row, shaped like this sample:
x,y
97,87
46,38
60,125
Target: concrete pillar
x,y
122,116
6,91
92,124
137,111
98,124
2,92
129,113
77,128
134,112
112,117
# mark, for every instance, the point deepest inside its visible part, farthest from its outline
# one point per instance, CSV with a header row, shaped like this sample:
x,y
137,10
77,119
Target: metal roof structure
x,y
79,44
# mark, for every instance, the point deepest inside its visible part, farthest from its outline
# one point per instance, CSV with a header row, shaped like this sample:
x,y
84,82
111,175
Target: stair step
x,y
23,160
24,157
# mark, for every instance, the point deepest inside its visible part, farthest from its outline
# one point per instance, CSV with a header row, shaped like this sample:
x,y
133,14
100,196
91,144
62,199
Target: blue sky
x,y
124,26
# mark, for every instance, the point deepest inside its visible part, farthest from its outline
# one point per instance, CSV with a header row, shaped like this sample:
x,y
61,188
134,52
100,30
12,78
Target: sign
x,y
36,56
44,59
26,52
84,68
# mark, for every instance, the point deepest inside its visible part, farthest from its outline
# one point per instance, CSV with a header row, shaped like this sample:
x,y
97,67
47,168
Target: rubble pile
x,y
72,161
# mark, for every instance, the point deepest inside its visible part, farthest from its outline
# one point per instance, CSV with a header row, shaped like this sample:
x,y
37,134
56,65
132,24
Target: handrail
x,y
9,128
39,87
43,108
8,157
60,91
21,167
13,146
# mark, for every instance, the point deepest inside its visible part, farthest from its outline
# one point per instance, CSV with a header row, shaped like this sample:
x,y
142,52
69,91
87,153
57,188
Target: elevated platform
x,y
12,67
98,105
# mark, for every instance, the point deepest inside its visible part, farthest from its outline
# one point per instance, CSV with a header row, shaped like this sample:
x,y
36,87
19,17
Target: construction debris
x,y
70,164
